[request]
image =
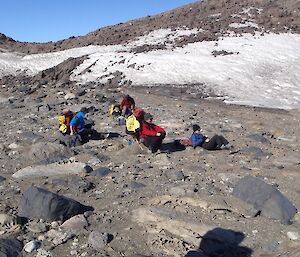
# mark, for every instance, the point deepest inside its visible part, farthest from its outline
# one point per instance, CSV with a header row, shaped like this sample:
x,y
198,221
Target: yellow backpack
x,y
62,126
132,124
64,122
61,119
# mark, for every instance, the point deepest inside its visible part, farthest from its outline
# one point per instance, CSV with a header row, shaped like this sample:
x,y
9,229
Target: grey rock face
x,y
40,203
45,153
265,198
10,248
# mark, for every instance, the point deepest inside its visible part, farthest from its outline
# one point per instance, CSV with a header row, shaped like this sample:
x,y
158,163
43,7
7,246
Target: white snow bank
x,y
257,70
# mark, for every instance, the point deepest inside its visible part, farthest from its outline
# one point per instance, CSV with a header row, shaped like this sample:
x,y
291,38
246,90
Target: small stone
x,y
59,237
32,245
76,224
13,146
43,253
38,227
101,172
88,169
98,240
41,238
69,96
293,235
2,179
8,220
136,185
88,214
54,224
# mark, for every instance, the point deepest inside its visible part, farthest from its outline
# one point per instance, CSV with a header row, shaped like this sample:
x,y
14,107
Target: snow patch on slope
x,y
251,70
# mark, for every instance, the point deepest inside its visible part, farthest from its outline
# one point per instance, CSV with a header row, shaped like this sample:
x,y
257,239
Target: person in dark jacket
x,y
151,135
127,105
217,142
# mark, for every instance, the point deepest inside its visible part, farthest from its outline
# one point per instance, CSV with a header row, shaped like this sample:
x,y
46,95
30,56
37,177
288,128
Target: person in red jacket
x,y
127,105
151,135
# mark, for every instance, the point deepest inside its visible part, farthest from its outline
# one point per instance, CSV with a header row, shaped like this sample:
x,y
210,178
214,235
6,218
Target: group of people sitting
x,y
140,125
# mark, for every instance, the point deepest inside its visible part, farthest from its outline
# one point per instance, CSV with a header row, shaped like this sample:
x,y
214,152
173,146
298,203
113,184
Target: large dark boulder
x,y
10,248
265,198
42,204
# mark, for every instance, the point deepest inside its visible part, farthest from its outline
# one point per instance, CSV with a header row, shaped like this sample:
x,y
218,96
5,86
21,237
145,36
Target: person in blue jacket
x,y
79,127
217,142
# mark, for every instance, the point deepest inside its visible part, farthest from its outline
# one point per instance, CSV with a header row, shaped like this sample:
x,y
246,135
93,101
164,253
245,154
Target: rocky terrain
x,y
146,204
110,196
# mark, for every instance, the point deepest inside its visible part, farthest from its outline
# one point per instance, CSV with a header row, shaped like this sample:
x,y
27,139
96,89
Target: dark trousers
x,y
154,143
215,143
86,134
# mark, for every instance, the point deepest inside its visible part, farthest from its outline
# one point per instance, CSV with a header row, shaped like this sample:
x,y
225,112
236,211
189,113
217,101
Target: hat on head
x,y
196,127
147,116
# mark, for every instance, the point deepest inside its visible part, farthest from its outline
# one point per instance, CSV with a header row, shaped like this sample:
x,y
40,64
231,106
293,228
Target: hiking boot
x,y
167,151
226,147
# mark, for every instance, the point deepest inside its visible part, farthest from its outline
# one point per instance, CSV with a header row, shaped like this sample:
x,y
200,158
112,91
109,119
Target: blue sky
x,y
53,20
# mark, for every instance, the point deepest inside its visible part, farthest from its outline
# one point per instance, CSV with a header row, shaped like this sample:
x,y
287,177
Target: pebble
x,y
73,252
38,227
98,240
293,235
54,224
43,253
69,96
13,146
32,245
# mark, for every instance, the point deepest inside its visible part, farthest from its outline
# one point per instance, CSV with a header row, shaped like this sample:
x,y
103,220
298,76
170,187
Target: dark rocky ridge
x,y
58,75
275,16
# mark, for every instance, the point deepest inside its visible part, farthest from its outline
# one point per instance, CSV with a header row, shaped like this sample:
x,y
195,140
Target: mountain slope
x,y
180,199
212,17
228,49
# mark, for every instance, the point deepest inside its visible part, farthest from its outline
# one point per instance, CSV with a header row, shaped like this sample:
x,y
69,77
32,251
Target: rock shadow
x,y
221,242
171,147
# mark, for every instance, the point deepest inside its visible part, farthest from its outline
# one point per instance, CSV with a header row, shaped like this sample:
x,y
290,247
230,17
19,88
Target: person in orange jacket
x,y
151,135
